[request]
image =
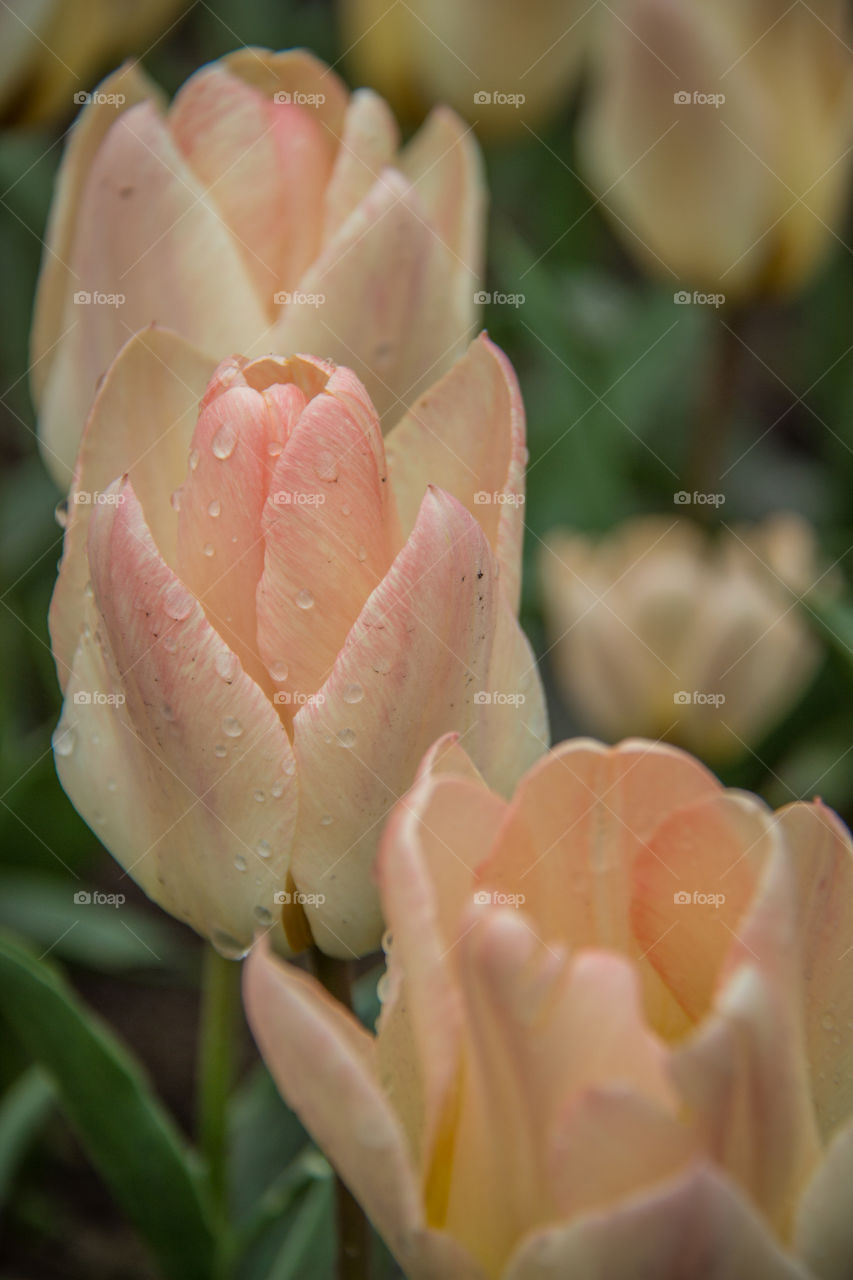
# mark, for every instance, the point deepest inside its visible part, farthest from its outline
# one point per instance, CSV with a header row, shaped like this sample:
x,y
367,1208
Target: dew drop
x,y
346,737
227,946
387,941
259,797
225,665
177,602
278,671
274,448
231,727
346,509
63,741
290,768
175,500
353,693
170,644
362,554
827,1022
214,508
383,987
193,459
89,591
277,790
60,513
304,599
220,750
239,863
112,785
326,820
224,441
209,549
382,666
326,467
263,849
168,712
262,915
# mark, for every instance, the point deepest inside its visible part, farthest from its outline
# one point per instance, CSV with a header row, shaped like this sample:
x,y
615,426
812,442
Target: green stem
x,y
716,409
220,1005
353,1227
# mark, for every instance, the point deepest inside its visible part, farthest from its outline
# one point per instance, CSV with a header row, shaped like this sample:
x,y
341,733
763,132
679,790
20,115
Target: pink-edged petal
x,y
296,72
611,1143
384,281
146,235
330,534
822,866
447,755
367,147
823,1235
696,1226
265,165
408,672
186,777
222,501
140,425
693,881
467,435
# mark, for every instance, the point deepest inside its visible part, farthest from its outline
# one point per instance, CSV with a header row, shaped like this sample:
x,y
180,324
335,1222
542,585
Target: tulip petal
x,y
384,281
293,71
418,652
467,435
265,165
696,1226
145,232
330,533
823,1236
822,865
140,425
367,147
201,763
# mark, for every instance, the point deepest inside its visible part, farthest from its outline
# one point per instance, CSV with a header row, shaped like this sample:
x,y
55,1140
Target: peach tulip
x,y
617,1029
657,630
264,615
265,210
718,136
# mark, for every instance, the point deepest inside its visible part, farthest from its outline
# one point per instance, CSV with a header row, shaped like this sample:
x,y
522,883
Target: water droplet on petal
x,y
262,915
387,941
346,737
304,599
89,591
175,500
224,441
827,1022
177,602
383,987
362,554
227,946
326,467
346,509
209,549
170,644
60,513
193,459
278,671
232,727
277,790
263,849
259,797
220,750
214,508
168,712
353,693
274,448
326,820
112,785
290,768
239,863
64,740
225,664
382,666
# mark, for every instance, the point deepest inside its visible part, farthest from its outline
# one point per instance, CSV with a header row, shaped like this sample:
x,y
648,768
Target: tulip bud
x,y
588,988
262,620
718,137
266,210
655,630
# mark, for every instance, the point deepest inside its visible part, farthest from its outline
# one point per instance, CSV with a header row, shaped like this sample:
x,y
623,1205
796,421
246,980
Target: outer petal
x,y
293,71
385,280
140,425
367,148
145,232
467,435
697,1226
824,1226
202,764
322,1060
418,652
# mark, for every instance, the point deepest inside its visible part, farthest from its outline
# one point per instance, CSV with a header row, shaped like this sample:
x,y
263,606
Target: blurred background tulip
x,y
719,136
52,50
586,991
260,625
266,211
500,64
659,630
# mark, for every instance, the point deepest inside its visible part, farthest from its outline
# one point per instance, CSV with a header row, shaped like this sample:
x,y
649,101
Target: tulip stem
x,y
353,1227
220,1004
716,409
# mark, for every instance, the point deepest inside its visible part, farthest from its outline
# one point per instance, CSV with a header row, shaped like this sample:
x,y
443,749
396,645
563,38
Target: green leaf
x,y
23,1109
309,1249
129,1138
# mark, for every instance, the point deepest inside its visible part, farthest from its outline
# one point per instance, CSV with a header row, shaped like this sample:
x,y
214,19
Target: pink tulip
x,y
264,621
617,1028
266,210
